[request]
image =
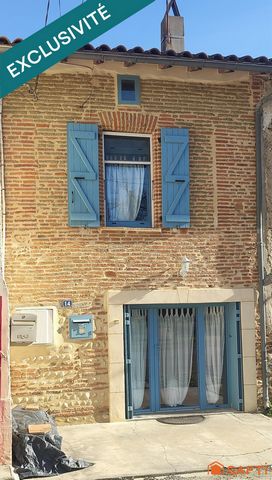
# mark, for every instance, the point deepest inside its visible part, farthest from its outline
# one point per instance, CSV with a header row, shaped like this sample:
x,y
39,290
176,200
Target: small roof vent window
x,y
128,89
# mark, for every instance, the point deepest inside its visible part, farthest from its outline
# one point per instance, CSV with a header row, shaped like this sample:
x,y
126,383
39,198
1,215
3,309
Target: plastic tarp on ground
x,y
39,455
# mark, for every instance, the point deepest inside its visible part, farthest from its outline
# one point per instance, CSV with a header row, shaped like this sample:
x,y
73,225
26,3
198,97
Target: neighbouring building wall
x,y
48,261
5,417
267,164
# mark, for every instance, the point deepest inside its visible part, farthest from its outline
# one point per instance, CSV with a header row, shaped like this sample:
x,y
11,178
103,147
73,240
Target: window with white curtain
x,y
127,181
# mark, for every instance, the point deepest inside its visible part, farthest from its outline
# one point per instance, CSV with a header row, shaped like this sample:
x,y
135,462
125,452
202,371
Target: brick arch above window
x,y
128,122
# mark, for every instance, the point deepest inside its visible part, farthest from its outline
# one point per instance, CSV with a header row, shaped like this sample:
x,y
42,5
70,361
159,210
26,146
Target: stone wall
x,y
48,261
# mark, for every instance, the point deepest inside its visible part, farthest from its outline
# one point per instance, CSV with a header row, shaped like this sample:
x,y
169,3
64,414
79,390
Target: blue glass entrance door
x,y
215,356
140,375
178,358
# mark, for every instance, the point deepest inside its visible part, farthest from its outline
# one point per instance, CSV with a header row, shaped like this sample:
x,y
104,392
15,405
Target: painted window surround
x,y
137,84
114,304
150,222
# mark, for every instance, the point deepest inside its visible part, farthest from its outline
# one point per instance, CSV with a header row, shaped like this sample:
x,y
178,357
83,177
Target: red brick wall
x,y
48,261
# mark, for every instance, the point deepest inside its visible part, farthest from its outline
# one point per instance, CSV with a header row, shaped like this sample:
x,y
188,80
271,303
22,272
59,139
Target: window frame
x,y
137,81
151,216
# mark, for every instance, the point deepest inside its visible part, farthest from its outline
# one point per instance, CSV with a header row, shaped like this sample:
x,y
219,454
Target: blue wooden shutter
x,y
175,177
83,175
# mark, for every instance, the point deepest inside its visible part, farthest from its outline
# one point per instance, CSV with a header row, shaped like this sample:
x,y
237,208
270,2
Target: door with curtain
x,y
177,358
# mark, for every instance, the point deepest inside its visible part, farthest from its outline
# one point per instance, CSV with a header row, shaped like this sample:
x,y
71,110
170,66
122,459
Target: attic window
x,y
128,90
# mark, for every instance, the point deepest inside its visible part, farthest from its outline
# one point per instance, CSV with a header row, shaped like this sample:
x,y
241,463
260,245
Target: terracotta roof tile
x,y
262,60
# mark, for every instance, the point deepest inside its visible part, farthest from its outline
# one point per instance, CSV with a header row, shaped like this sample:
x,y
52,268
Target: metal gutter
x,y
261,215
169,60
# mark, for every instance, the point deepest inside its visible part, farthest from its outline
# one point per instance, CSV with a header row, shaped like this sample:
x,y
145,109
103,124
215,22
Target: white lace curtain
x,y
177,340
124,191
138,355
215,342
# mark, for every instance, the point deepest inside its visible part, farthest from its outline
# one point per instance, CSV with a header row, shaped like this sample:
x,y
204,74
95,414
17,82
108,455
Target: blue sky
x,y
227,26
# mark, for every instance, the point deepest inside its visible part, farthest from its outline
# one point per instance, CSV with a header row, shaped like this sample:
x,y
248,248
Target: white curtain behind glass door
x,y
215,342
124,188
138,355
177,340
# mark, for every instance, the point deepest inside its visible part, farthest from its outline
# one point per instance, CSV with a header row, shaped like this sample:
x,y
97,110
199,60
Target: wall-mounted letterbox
x,y
43,317
81,327
23,328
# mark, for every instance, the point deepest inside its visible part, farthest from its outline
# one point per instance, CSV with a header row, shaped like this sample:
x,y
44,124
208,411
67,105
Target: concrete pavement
x,y
149,448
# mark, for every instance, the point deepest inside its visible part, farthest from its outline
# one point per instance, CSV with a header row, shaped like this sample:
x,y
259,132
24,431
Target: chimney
x,y
172,29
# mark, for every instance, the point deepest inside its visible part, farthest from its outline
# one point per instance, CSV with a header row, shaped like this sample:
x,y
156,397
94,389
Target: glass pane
x,y
178,357
127,193
128,90
127,149
215,352
139,359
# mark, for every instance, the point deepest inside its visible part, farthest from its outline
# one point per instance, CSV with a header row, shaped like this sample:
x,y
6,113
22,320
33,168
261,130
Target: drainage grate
x,y
188,420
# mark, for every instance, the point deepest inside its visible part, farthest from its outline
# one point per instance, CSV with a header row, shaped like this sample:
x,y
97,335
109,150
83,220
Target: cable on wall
x,y
47,12
82,106
34,90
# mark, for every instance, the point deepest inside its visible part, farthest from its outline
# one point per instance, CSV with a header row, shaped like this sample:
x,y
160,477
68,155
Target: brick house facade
x,y
103,269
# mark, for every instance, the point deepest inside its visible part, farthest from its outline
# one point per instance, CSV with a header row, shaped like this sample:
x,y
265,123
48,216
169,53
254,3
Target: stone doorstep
x,y
199,474
7,473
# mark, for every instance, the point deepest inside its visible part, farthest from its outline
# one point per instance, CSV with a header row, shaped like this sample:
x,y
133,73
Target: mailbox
x,y
23,328
81,327
44,319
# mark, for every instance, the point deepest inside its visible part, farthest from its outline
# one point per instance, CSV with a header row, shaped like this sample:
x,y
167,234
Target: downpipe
x,y
5,392
2,196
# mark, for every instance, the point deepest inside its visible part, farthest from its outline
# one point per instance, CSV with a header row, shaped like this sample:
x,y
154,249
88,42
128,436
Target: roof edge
x,y
177,60
135,55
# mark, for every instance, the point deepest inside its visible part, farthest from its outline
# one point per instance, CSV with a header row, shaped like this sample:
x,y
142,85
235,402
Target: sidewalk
x,y
146,448
149,448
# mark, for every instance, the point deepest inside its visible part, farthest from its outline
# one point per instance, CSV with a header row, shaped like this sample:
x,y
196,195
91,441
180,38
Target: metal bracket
x,y
173,4
127,318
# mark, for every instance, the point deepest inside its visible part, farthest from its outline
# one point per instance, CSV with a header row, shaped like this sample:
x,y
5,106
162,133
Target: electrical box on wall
x,y
81,327
43,324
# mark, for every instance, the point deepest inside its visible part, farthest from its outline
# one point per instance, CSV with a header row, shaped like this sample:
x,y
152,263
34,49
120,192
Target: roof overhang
x,y
170,60
194,67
